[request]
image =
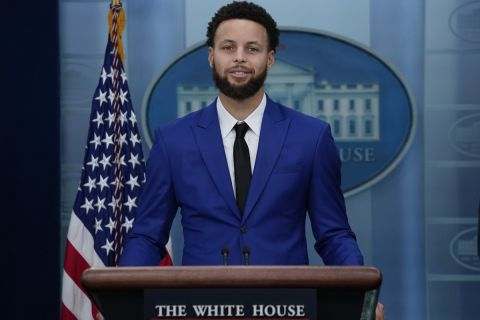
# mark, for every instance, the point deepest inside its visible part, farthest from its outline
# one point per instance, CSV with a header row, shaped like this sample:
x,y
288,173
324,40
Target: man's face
x,y
240,58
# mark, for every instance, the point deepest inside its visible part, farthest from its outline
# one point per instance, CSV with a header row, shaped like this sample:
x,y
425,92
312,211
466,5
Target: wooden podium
x,y
275,292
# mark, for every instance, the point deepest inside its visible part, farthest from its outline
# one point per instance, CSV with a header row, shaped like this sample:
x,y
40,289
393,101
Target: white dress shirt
x,y
227,124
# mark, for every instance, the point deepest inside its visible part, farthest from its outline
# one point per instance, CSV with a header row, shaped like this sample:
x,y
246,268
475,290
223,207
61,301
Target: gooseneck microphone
x,y
246,255
225,253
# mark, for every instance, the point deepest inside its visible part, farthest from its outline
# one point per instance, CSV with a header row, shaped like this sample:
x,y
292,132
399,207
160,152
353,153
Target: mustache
x,y
240,68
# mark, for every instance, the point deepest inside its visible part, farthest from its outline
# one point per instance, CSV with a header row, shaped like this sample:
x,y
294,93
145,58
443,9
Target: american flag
x,y
112,179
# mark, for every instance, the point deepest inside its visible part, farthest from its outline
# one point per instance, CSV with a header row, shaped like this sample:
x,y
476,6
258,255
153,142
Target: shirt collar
x,y
254,120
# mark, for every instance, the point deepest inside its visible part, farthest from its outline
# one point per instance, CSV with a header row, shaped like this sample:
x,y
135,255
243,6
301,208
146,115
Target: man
x,y
203,163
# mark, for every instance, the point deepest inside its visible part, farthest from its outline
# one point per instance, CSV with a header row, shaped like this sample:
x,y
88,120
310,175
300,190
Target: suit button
x,y
243,229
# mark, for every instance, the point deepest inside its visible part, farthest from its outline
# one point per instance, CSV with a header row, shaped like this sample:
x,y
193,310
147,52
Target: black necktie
x,y
241,162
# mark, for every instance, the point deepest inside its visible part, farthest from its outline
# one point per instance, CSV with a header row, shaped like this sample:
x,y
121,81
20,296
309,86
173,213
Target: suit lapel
x,y
209,140
272,137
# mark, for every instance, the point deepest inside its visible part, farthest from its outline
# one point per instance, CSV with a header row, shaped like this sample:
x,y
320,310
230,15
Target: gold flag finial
x,y
117,5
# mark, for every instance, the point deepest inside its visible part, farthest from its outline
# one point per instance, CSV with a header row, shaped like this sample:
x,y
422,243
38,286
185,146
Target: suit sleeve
x,y
335,241
145,243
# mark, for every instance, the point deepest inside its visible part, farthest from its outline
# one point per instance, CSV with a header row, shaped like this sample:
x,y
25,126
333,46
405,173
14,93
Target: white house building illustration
x,y
467,137
467,247
352,109
469,21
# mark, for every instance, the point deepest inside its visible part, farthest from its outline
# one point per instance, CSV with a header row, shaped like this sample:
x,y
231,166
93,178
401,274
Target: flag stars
x,y
133,119
102,97
123,139
131,203
105,162
108,140
133,182
100,204
124,76
128,224
90,184
111,96
98,225
123,117
88,205
122,161
117,181
103,76
102,182
93,162
134,160
123,96
113,204
108,246
111,118
98,119
111,225
111,74
96,141
134,139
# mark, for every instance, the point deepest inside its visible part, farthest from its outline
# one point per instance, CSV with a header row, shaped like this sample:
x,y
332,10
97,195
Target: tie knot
x,y
241,129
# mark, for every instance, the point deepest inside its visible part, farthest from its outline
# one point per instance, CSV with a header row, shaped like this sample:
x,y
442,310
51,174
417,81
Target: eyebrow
x,y
233,41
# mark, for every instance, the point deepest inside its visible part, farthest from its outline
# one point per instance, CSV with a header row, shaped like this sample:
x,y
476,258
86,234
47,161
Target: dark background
x,y
30,225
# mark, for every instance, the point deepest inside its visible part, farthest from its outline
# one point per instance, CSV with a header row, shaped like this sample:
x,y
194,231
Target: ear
x,y
210,56
270,59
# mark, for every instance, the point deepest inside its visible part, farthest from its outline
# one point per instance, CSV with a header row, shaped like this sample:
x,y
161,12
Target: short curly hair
x,y
248,11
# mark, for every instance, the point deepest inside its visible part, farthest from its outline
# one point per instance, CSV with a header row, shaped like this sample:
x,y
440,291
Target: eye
x,y
227,48
253,49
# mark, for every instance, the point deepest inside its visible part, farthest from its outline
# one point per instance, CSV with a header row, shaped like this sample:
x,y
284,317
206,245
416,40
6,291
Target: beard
x,y
240,92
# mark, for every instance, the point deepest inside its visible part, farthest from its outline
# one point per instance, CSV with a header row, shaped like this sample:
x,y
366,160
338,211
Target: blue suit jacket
x,y
297,170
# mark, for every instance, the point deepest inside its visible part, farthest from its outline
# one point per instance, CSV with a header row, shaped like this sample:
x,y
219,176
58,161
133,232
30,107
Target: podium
x,y
234,292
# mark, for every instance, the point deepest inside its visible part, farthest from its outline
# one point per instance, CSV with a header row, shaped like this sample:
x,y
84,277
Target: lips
x,y
239,72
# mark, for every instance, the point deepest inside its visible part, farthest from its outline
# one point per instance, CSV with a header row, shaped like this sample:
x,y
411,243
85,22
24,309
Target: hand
x,y
380,312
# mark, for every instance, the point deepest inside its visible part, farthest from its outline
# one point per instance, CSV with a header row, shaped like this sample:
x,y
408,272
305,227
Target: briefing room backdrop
x,y
418,223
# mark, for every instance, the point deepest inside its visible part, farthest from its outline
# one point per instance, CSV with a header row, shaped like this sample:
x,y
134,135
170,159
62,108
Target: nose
x,y
239,56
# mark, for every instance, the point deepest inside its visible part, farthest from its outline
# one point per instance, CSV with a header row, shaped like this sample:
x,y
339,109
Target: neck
x,y
241,109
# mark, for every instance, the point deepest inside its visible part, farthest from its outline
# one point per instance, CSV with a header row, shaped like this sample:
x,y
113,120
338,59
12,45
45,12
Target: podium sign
x,y
230,303
234,292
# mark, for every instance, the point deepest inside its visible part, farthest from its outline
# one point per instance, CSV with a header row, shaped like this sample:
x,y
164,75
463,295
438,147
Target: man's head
x,y
242,38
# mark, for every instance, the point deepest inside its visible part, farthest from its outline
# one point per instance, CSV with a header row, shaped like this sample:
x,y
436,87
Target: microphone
x,y
246,255
225,253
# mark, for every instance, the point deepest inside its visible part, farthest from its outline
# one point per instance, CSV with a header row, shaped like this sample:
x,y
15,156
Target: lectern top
x,y
233,276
